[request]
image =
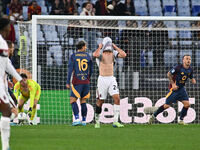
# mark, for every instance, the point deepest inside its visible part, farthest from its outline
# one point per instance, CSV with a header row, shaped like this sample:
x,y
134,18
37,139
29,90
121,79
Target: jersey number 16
x,y
82,64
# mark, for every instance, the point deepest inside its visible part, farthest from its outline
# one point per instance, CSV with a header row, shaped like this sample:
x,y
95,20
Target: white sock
x,y
97,117
5,132
12,116
116,112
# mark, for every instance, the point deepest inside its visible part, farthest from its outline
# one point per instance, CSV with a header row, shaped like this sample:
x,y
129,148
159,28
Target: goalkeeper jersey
x,y
33,89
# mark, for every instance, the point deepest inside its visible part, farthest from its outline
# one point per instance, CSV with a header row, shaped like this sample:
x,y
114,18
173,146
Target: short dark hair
x,y
3,23
186,55
23,75
9,43
80,44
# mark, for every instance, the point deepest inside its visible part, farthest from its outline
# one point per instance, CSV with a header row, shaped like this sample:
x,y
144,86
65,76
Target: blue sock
x,y
75,110
183,113
83,111
160,109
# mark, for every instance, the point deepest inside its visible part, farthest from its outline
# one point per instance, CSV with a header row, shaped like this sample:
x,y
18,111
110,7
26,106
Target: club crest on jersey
x,y
83,78
182,73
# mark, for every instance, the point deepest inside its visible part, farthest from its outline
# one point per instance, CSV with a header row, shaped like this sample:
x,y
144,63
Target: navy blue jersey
x,y
80,64
180,75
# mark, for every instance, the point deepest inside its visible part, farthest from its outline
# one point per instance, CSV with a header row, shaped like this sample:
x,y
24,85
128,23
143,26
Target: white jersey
x,y
5,66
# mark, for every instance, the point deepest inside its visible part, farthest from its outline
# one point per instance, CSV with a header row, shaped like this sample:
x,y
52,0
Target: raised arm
x,y
121,54
97,52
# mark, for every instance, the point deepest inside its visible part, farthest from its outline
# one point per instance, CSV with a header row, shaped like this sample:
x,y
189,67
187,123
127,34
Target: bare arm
x,y
170,77
121,54
193,81
97,52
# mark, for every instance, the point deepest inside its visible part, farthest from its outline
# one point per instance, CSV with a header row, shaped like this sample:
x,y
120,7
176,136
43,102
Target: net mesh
x,y
152,47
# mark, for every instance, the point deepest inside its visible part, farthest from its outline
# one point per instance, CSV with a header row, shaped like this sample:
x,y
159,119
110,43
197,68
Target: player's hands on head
x,y
68,86
114,46
100,45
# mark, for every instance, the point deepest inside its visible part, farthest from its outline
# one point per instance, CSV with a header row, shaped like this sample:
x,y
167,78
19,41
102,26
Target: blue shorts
x,y
178,95
80,91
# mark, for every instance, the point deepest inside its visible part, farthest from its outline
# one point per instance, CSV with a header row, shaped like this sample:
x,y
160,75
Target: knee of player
x,y
72,100
116,99
187,105
83,101
34,106
166,106
20,106
99,103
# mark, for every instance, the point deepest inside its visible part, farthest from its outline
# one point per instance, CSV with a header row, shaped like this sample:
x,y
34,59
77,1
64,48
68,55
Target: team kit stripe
x,y
170,92
87,96
75,92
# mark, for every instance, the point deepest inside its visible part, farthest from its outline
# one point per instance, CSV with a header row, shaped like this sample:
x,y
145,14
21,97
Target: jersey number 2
x,y
82,64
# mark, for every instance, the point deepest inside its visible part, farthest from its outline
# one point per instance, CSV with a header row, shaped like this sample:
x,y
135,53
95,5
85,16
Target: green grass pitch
x,y
131,137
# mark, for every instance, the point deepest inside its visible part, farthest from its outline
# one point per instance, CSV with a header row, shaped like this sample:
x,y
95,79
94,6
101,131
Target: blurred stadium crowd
x,y
149,43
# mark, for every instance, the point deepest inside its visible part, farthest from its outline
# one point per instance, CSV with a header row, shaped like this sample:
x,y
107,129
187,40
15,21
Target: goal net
x,y
153,46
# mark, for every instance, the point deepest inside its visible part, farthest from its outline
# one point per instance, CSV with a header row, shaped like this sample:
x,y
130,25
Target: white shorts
x,y
106,85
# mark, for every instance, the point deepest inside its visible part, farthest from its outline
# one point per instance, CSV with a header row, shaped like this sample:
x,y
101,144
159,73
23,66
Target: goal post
x,y
153,46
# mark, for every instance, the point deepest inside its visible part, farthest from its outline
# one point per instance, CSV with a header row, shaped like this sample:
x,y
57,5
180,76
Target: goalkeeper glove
x,y
30,112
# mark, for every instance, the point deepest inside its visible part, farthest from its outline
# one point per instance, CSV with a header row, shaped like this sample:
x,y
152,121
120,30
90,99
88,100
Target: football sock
x,y
83,111
116,112
160,109
5,132
97,114
183,113
75,110
12,116
98,109
33,114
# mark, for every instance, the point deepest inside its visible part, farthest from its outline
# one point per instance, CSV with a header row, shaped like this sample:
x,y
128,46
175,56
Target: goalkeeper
x,y
29,89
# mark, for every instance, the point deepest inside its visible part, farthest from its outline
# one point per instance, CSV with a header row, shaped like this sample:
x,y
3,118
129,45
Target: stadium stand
x,y
168,3
142,8
155,8
195,10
